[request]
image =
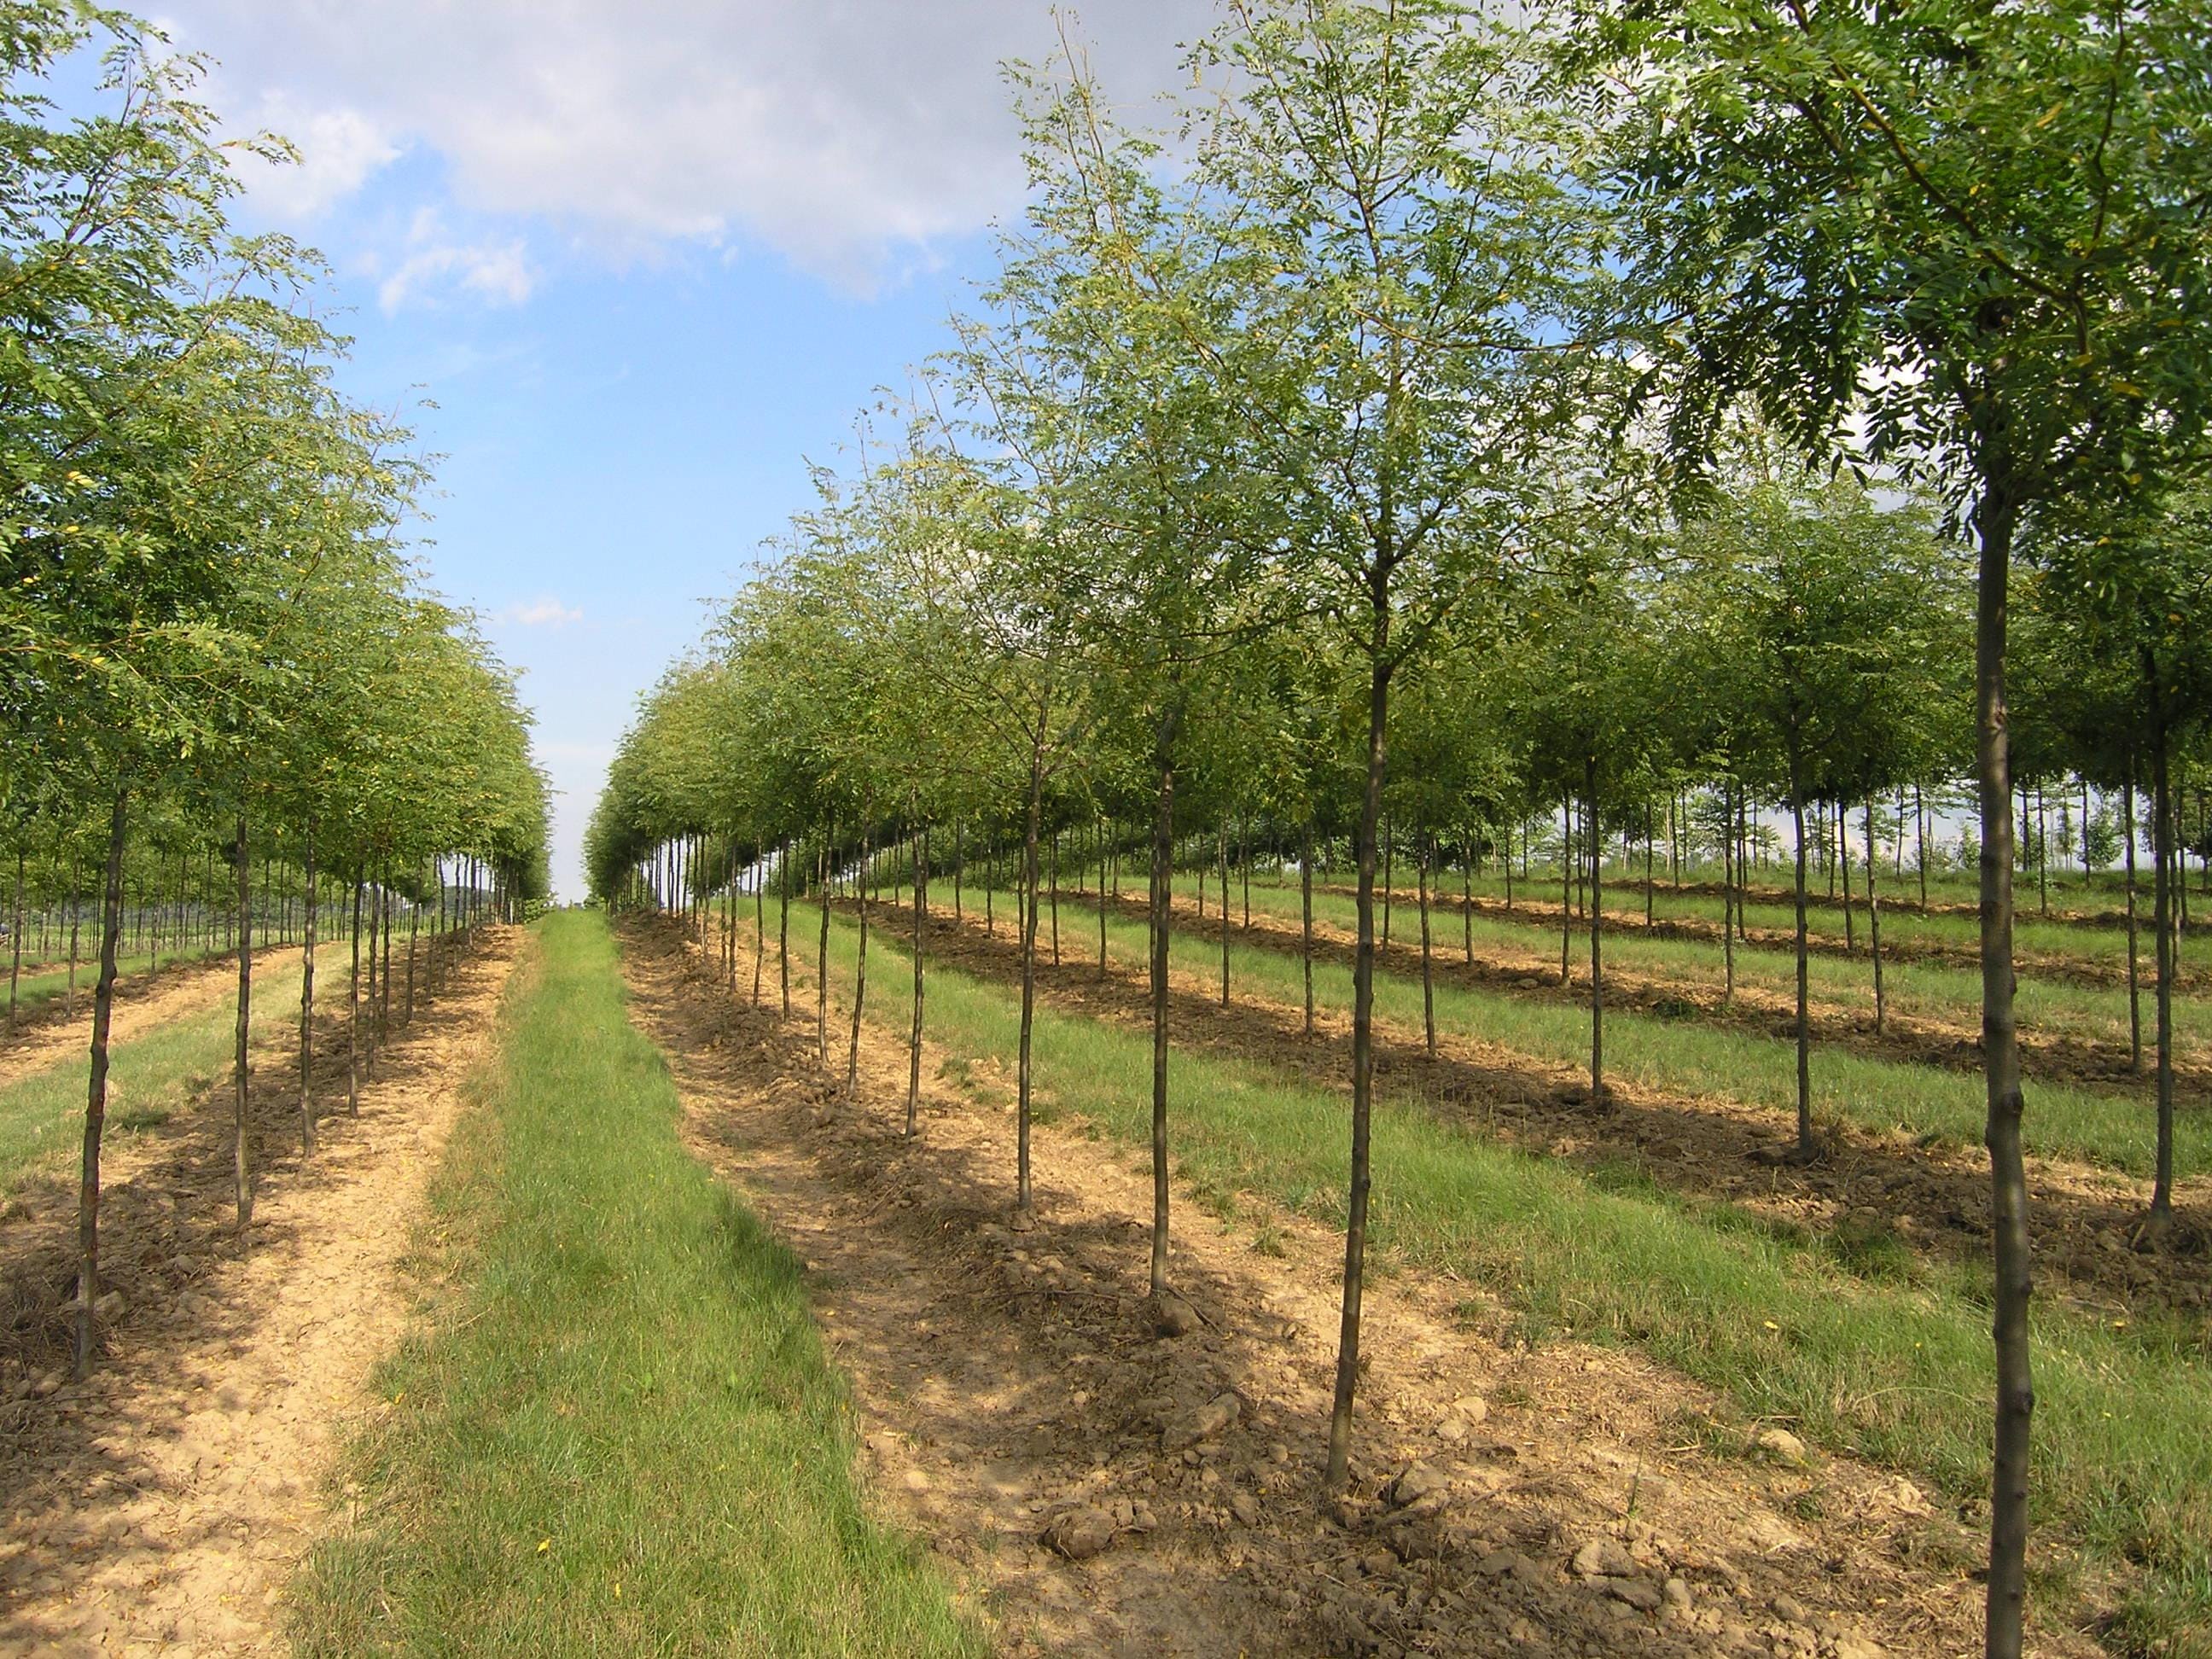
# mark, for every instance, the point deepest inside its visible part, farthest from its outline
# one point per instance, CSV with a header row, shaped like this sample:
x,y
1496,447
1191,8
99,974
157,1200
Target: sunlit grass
x,y
619,1434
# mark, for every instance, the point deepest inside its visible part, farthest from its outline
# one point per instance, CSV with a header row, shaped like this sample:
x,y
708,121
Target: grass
x,y
1785,1327
1690,1057
2089,946
1928,989
619,1434
37,990
150,1076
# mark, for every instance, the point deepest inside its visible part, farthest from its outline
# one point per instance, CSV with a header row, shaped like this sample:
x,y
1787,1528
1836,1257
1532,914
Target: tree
x,y
1968,240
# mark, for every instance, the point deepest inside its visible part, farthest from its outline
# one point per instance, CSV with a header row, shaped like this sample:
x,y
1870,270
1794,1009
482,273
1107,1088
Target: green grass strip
x,y
151,1076
625,1438
1899,1375
1692,1057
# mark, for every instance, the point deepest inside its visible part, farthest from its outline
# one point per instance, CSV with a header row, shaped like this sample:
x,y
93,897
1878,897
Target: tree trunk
x,y
2164,863
1221,837
1467,899
822,961
1159,917
307,1006
241,1075
1305,916
1843,858
1053,880
1920,835
353,1014
1362,1051
1805,1146
1428,979
920,930
859,968
783,923
1101,843
2135,947
1024,1216
1567,861
1591,826
2015,1395
95,1099
1874,924
15,943
1731,887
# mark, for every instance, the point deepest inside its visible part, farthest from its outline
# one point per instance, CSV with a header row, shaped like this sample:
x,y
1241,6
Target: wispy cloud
x,y
438,264
544,611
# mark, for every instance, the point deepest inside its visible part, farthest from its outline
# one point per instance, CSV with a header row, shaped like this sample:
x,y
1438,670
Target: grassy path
x,y
619,1435
2102,1127
152,1075
1899,1375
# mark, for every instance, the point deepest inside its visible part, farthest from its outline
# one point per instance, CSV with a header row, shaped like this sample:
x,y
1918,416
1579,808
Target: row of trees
x,y
1457,418
212,645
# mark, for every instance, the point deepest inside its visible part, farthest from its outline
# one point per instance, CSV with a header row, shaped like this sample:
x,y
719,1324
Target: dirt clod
x,y
1201,1423
1604,1557
1080,1534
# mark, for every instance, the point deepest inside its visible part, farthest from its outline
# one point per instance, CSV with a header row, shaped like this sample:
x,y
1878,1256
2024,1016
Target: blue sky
x,y
647,261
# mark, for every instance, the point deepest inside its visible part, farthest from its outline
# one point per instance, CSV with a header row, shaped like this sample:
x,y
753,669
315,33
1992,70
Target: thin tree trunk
x,y
821,963
1592,826
1221,837
2135,948
1024,1216
1874,924
2042,854
1428,979
2164,865
1159,915
1305,914
1843,858
1054,881
1467,899
307,1006
1102,898
1920,834
859,970
241,1073
1731,886
1805,1146
2015,1395
921,931
1362,1054
1567,861
15,943
353,1001
783,924
95,1099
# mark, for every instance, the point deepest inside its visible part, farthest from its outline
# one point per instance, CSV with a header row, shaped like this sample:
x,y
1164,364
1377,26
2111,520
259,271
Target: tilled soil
x,y
143,1002
160,1507
1012,1386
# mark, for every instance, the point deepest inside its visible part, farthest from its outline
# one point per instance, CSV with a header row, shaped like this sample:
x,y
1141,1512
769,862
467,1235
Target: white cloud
x,y
436,265
841,132
544,611
338,150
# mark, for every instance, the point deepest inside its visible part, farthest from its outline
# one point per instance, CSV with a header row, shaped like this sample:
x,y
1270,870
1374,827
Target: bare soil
x,y
158,1508
1572,1500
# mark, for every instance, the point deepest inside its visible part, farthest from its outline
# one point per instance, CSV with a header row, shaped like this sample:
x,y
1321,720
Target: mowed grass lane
x,y
2110,1128
619,1433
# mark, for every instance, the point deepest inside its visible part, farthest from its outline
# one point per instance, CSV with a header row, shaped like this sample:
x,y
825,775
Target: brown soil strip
x,y
1006,1380
143,1002
1935,1199
160,1507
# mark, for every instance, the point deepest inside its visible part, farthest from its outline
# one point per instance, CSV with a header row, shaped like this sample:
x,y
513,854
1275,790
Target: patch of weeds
x,y
141,1117
1870,1247
957,1070
1513,1394
1807,1505
1267,1240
